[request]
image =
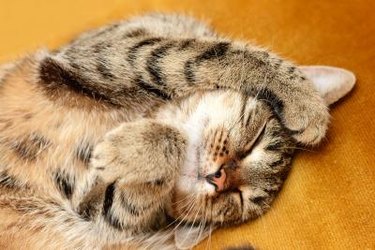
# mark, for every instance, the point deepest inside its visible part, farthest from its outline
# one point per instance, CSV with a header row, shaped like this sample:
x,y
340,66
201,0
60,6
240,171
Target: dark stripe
x,y
152,64
291,70
101,47
30,146
277,163
91,203
132,54
128,205
274,146
102,63
104,70
135,33
275,132
83,152
271,99
55,77
8,181
151,89
65,183
186,44
189,71
217,51
241,198
277,64
108,198
87,211
115,222
258,200
107,205
159,182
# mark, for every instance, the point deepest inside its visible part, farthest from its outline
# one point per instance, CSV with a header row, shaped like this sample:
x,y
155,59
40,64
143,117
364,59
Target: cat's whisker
x,y
202,224
192,224
187,213
299,148
184,199
182,216
210,229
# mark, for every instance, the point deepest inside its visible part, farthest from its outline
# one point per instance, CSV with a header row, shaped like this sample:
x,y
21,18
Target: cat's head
x,y
238,156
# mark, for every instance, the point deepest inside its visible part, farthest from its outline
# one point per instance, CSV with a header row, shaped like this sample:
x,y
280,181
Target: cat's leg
x,y
116,60
136,165
171,25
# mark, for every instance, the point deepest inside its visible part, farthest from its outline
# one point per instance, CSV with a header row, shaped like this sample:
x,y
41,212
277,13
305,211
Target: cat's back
x,y
50,118
44,131
50,115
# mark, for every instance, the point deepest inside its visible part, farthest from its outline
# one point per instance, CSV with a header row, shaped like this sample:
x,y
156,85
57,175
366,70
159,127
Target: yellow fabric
x,y
328,201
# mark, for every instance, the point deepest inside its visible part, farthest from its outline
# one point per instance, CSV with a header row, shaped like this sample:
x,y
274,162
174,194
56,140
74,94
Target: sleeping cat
x,y
150,133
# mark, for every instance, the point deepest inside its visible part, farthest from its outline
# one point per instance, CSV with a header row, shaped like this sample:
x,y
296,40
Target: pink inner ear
x,y
331,82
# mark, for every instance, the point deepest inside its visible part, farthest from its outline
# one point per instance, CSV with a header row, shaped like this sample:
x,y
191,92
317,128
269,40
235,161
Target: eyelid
x,y
254,142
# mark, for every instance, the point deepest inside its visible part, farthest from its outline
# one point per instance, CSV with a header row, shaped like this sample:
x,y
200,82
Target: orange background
x,y
328,201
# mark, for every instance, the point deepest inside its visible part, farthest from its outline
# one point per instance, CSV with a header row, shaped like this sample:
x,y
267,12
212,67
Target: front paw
x,y
307,119
139,152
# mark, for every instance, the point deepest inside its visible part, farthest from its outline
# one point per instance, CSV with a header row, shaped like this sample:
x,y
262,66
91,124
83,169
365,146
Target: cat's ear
x,y
186,237
331,82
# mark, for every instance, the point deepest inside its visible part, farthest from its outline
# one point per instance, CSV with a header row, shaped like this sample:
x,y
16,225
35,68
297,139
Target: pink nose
x,y
217,179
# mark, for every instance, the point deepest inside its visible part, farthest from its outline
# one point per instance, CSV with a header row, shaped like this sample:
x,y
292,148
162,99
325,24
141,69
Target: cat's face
x,y
237,158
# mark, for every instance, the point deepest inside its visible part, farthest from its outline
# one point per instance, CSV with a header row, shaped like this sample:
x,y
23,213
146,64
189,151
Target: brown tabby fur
x,y
103,142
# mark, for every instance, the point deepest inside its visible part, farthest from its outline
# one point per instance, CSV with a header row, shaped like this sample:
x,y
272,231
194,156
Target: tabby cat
x,y
150,133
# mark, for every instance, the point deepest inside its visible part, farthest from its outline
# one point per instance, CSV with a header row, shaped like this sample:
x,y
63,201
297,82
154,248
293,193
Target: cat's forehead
x,y
224,107
238,115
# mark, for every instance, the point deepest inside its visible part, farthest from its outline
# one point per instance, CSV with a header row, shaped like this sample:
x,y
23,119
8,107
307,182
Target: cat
x,y
150,133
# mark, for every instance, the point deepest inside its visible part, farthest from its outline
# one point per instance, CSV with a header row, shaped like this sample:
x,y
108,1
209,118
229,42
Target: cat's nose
x,y
217,179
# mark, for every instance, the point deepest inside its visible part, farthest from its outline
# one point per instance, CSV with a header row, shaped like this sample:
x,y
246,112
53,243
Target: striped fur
x,y
112,135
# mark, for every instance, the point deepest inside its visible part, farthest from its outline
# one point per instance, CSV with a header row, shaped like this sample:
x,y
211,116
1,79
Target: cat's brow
x,y
250,146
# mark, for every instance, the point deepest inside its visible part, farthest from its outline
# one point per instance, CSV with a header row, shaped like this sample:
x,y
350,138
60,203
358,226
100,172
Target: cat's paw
x,y
307,120
139,152
307,117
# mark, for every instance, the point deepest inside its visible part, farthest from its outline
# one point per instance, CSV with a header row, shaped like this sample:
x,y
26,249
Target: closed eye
x,y
250,146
